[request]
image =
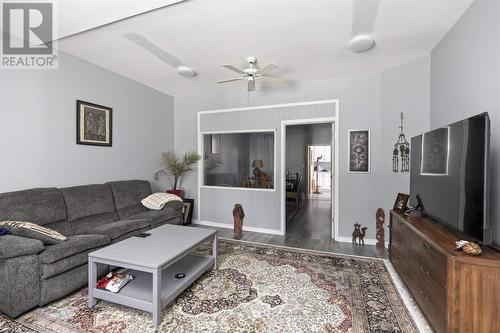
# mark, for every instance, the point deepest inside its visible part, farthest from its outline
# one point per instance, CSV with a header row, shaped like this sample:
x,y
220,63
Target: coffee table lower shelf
x,y
138,293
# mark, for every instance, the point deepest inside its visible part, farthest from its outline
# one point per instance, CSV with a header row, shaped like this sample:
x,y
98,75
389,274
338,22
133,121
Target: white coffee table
x,y
154,261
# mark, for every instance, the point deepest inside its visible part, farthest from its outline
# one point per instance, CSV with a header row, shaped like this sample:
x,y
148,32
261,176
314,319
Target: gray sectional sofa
x,y
91,216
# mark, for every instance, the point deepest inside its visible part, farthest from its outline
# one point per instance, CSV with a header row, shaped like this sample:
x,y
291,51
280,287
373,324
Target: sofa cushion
x,y
73,245
39,205
88,200
128,195
116,229
157,217
15,246
34,231
65,264
83,225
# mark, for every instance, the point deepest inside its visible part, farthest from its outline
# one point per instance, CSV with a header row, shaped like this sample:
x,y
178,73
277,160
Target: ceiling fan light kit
x,y
252,73
361,43
186,71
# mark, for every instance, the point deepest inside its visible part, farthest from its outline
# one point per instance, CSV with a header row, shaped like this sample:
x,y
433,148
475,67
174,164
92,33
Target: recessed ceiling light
x,y
361,43
186,71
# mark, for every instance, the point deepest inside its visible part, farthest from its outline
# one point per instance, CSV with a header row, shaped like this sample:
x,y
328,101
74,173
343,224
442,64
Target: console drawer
x,y
404,232
436,316
433,261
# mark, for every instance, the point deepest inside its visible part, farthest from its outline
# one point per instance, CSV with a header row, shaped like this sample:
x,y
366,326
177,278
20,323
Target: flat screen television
x,y
450,173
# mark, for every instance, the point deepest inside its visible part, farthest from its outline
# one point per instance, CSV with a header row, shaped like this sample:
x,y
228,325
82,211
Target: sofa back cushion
x,y
43,206
128,195
88,206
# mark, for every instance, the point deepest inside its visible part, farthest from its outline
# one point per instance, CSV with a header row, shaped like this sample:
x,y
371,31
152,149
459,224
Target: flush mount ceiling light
x,y
361,43
186,71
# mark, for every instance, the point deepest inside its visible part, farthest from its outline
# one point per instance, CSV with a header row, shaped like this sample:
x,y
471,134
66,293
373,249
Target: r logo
x,y
32,26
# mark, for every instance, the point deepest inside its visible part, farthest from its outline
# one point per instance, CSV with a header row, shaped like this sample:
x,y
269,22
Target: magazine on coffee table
x,y
114,281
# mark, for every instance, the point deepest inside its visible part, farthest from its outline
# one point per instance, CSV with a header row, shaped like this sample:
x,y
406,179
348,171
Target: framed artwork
x,y
359,151
187,211
93,124
401,202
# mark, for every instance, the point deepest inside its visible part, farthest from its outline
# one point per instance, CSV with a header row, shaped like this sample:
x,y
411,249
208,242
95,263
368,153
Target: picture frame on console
x,y
187,211
93,124
400,205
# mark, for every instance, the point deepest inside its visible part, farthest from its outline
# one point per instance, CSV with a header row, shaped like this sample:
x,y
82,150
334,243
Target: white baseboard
x,y
368,241
245,228
343,239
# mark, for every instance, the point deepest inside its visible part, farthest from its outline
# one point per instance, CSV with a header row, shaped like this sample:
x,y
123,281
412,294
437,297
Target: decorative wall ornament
x,y
359,151
401,151
380,217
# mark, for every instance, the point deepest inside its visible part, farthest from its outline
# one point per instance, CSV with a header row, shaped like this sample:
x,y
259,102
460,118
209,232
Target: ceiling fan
x,y
252,73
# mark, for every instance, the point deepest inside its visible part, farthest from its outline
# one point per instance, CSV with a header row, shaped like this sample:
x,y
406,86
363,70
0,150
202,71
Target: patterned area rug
x,y
257,288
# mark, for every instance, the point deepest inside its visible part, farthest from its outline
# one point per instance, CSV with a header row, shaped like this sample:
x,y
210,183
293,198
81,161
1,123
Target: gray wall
x,y
262,208
406,89
38,127
465,80
360,107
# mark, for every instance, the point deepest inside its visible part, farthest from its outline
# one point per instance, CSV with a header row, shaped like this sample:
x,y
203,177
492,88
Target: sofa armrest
x,y
174,205
14,246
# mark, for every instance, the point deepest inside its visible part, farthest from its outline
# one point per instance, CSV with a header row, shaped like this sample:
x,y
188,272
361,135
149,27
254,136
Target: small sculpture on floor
x,y
358,233
238,215
380,216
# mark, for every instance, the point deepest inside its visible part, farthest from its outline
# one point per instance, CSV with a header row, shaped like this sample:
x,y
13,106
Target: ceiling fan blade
x,y
251,85
234,69
273,78
230,80
154,49
364,15
266,69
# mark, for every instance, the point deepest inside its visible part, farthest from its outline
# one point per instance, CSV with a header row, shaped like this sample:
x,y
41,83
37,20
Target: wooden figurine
x,y
358,233
380,216
238,215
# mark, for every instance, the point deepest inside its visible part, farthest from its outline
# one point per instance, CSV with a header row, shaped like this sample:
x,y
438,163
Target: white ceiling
x,y
306,38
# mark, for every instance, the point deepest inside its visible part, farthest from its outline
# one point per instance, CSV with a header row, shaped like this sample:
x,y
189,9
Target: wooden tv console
x,y
456,292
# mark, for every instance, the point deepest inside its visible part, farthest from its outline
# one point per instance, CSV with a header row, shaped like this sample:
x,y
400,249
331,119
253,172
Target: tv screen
x,y
449,170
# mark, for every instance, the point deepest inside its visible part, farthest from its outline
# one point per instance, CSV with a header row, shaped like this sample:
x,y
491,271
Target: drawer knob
x,y
424,296
426,247
426,272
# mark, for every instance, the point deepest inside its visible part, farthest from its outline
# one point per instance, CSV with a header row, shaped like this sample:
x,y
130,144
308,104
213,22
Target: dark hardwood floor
x,y
309,229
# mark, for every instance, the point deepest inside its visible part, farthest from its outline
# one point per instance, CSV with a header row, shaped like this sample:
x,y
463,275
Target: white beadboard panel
x,y
262,208
263,118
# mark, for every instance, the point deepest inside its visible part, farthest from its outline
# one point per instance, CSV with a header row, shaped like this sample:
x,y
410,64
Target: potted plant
x,y
174,167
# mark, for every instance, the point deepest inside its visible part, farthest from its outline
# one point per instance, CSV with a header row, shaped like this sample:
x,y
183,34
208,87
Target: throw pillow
x,y
157,201
32,230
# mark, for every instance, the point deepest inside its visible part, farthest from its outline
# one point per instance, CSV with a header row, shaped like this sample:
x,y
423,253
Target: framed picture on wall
x,y
187,211
359,151
93,124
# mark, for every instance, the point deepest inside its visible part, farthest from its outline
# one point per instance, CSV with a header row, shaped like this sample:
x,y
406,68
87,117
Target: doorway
x,y
319,172
310,166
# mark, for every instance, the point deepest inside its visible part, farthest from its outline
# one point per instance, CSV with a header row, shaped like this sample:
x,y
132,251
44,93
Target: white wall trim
x,y
335,145
368,241
270,106
244,228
